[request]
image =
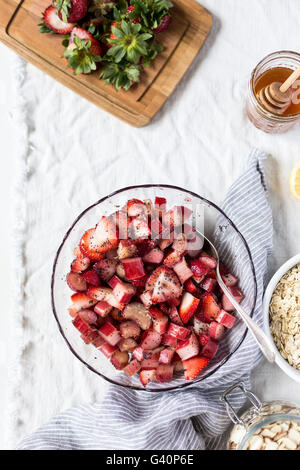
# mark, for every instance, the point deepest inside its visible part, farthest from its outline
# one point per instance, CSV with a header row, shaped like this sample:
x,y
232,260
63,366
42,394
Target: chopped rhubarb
x,y
104,293
183,271
175,317
119,359
108,350
178,331
128,344
164,373
166,356
103,308
237,294
216,331
146,298
210,349
169,340
226,319
132,368
138,353
123,292
208,284
134,268
189,348
155,256
152,340
209,261
110,334
160,203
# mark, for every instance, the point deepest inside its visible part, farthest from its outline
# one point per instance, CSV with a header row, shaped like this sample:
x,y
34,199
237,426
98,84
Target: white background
x,y
268,382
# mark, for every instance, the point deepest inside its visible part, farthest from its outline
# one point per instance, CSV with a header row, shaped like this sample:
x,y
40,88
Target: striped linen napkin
x,y
190,419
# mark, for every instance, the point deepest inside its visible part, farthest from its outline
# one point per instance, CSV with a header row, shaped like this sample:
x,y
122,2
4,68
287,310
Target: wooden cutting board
x,y
189,28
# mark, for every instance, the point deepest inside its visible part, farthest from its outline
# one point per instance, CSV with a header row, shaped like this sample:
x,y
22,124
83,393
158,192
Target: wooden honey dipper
x,y
277,97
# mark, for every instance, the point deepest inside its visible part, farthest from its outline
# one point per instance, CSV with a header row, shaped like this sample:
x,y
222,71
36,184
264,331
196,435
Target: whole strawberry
x,y
163,25
71,11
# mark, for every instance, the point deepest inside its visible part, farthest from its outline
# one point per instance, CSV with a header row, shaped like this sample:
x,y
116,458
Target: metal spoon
x,y
259,335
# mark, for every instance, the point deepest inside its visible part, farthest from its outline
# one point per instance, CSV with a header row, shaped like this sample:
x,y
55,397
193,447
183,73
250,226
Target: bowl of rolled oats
x,y
282,316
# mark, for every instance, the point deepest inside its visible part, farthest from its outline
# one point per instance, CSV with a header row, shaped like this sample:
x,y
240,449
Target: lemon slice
x,y
295,182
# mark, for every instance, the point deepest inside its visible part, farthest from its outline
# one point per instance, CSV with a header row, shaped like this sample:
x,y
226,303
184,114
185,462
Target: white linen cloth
x,y
72,153
127,419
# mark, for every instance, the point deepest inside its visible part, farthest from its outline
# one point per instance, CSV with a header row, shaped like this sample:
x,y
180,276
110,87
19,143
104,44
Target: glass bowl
x,y
209,219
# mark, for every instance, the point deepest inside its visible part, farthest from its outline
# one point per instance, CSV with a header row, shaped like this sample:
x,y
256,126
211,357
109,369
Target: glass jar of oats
x,y
264,426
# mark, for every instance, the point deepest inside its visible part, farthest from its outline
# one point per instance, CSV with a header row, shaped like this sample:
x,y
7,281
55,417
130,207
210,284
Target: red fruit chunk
x,y
82,326
210,349
151,341
169,340
156,228
175,317
160,324
172,259
140,282
167,286
149,364
135,207
178,332
199,269
128,344
92,278
163,244
134,268
229,280
147,376
180,244
176,217
166,356
226,319
88,316
203,339
209,307
105,237
163,25
138,353
80,301
103,308
160,203
110,334
119,359
146,298
189,348
209,261
164,373
216,331
208,284
139,228
132,368
190,287
122,222
188,307
130,329
77,11
193,367
88,246
237,294
76,282
200,326
124,292
183,271
155,256
52,21
107,349
177,363
127,249
80,264
106,268
98,341
104,293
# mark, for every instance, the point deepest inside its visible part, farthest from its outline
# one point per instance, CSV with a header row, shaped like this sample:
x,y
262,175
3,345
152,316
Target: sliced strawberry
x,y
107,349
237,294
200,326
167,286
106,268
209,261
208,284
160,203
146,298
103,308
210,349
164,373
155,256
110,334
135,207
172,259
183,271
130,329
199,269
104,293
169,340
74,11
203,339
52,21
92,278
166,356
80,264
105,237
120,359
79,302
127,249
229,280
88,247
160,323
188,348
151,341
193,367
139,228
209,307
127,344
134,268
175,317
147,376
132,368
188,306
123,292
190,287
216,331
76,282
179,332
226,319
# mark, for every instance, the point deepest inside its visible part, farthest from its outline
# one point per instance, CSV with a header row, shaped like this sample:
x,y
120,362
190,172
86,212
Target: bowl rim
x,y
166,186
289,370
